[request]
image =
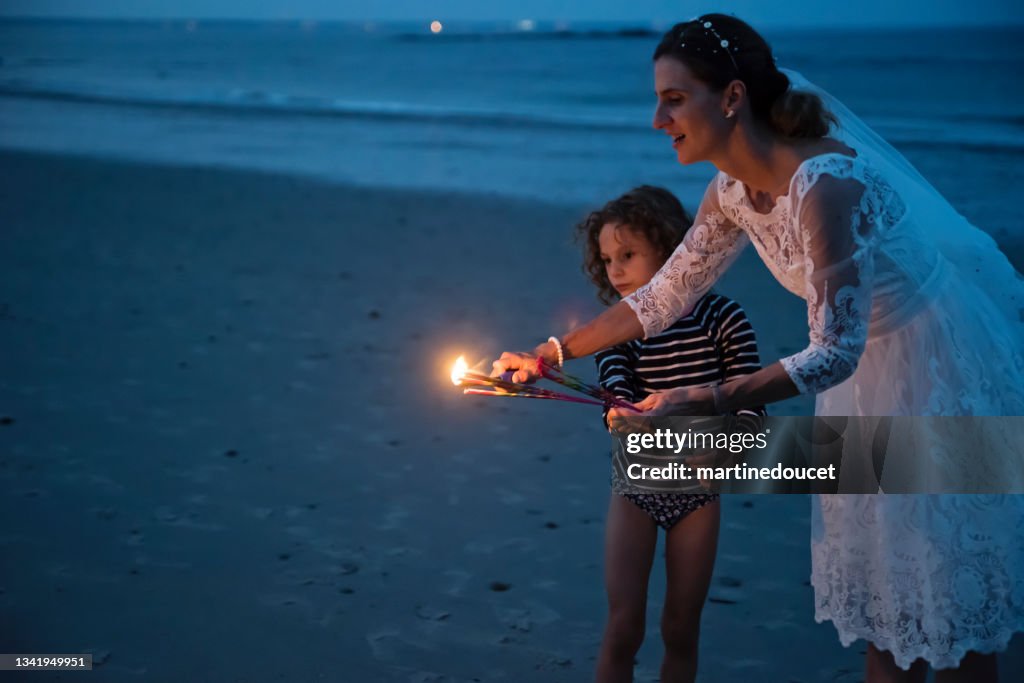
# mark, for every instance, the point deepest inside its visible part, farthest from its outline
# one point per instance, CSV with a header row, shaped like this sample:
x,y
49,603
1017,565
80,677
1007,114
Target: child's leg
x,y
689,561
973,668
880,667
630,538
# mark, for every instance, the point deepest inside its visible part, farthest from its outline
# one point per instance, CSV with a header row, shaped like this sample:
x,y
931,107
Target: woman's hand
x,y
524,364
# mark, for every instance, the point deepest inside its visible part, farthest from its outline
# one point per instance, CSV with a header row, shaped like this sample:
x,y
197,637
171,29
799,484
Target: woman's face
x,y
688,111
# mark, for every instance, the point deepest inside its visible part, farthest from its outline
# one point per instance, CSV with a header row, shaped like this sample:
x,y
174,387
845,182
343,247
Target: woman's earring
x,y
729,114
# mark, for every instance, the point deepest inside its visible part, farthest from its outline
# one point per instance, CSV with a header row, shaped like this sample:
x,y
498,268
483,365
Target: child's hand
x,y
625,421
522,364
681,401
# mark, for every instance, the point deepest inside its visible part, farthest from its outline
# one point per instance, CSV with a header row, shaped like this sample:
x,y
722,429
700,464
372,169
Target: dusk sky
x,y
758,12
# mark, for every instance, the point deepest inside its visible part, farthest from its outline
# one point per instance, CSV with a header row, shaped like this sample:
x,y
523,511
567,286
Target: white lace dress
x,y
894,329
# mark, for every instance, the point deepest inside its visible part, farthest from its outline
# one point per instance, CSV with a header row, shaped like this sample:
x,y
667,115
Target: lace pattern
x,y
838,267
827,258
708,249
950,582
895,327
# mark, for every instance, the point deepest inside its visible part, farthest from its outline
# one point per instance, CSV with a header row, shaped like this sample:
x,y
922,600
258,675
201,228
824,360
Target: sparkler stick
x,y
476,378
606,397
550,395
475,383
505,388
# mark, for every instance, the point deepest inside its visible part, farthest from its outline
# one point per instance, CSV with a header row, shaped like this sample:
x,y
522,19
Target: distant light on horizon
x,y
527,24
436,26
507,14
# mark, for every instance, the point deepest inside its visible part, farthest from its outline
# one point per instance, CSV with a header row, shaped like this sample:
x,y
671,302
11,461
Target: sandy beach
x,y
229,450
238,261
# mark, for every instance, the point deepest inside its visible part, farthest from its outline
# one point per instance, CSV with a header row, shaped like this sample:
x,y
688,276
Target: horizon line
x,y
540,25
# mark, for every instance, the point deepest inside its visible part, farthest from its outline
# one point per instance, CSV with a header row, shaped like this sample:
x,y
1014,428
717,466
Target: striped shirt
x,y
713,344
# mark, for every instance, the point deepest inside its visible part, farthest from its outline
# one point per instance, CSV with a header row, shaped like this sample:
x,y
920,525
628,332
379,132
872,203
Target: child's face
x,y
630,260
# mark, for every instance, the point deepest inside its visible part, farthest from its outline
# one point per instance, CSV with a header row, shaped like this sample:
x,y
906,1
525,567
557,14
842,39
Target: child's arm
x,y
615,372
737,346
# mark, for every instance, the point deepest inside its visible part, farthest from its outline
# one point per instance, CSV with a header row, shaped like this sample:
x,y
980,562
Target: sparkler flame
x,y
459,370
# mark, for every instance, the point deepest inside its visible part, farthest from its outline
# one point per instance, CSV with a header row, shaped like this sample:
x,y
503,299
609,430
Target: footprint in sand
x,y
457,580
105,482
99,657
296,602
510,497
261,513
189,519
133,537
385,643
427,677
394,519
146,561
516,620
431,613
105,513
203,474
348,568
720,601
478,548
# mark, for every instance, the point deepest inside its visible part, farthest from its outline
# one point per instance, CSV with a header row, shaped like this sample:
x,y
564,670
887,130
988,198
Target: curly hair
x,y
653,212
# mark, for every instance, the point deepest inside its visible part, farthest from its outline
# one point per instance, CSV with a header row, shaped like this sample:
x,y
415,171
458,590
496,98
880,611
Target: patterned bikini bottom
x,y
668,508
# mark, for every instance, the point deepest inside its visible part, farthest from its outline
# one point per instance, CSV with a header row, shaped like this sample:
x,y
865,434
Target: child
x,y
625,243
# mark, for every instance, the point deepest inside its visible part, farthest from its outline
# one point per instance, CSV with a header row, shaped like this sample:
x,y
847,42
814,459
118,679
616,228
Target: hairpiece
x,y
720,42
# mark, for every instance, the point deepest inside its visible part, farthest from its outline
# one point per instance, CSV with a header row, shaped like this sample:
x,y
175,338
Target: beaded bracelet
x,y
558,347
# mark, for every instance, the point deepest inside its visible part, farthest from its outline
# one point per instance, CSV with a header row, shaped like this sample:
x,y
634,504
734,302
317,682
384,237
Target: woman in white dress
x,y
911,311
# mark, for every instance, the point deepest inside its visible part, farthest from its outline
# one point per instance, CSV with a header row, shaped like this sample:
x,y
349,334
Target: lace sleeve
x,y
708,249
836,217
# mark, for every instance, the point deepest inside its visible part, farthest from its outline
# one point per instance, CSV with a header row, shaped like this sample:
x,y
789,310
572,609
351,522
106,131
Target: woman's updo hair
x,y
719,49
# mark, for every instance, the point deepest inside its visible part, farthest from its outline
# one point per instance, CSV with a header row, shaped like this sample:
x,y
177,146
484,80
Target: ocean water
x,y
562,114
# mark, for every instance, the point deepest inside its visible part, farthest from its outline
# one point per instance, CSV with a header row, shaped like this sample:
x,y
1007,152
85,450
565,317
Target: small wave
x,y
48,61
243,102
999,132
556,34
993,132
1004,119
